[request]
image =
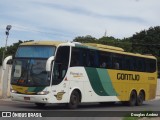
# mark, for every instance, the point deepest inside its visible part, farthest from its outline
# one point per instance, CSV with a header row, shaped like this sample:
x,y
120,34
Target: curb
x,y
157,97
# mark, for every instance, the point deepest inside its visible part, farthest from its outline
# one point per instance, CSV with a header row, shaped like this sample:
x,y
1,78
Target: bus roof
x,y
104,46
101,47
51,43
116,50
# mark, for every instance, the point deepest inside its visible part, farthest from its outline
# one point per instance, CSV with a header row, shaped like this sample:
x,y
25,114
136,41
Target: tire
x,y
40,105
140,99
133,99
74,100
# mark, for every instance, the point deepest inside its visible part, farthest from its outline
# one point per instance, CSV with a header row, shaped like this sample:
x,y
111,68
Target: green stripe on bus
x,y
31,89
35,89
100,81
38,89
95,81
106,81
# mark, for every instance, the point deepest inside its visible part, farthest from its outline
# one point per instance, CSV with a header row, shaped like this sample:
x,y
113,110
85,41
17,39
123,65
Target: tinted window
x,y
117,61
130,64
100,59
92,59
105,60
140,64
76,57
79,57
84,57
150,65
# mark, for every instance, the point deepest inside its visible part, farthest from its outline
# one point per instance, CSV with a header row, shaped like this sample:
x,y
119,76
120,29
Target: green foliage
x,y
147,41
108,41
85,39
130,118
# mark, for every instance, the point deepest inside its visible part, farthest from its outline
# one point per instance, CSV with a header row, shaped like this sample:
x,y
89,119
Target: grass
x,y
131,118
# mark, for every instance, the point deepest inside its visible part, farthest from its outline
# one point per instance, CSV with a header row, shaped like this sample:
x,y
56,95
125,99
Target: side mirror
x,y
48,63
6,60
10,62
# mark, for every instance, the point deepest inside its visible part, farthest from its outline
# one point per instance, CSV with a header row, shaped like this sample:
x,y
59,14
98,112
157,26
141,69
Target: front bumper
x,y
32,98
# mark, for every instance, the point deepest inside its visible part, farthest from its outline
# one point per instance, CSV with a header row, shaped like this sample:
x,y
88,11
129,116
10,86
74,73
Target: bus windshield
x,y
29,72
35,51
29,66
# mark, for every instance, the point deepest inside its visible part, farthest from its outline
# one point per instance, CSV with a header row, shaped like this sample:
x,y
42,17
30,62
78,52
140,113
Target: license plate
x,y
26,98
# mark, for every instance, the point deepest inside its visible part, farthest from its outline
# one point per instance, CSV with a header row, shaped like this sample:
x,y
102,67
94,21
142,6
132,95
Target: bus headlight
x,y
13,91
43,93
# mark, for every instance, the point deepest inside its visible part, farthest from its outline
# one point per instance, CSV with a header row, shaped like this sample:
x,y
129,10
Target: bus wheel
x,y
74,100
40,105
133,99
140,98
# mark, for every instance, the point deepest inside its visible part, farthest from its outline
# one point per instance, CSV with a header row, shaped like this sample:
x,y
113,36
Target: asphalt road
x,y
8,105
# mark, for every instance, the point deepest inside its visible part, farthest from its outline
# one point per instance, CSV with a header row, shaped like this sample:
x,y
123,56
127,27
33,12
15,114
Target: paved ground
x,y
8,105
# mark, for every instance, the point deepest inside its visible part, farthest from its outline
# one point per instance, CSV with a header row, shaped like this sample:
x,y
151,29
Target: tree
x,y
147,41
85,39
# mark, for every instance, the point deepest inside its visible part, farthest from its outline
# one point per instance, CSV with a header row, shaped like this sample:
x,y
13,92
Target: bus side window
x,y
150,65
153,65
92,58
129,65
75,57
117,61
134,63
78,57
116,65
105,60
84,57
140,65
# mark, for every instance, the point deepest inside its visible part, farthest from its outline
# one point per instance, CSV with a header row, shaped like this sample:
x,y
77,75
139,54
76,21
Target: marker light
x,y
43,93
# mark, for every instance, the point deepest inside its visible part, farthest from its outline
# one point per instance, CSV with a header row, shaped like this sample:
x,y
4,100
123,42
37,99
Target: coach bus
x,y
73,73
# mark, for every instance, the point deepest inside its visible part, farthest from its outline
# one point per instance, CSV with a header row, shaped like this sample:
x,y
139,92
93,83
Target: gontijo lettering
x,y
123,76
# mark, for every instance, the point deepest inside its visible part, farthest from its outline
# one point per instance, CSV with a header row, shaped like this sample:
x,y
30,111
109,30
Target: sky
x,y
63,20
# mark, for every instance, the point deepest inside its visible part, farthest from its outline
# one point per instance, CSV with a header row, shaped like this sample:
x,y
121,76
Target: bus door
x,y
59,71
